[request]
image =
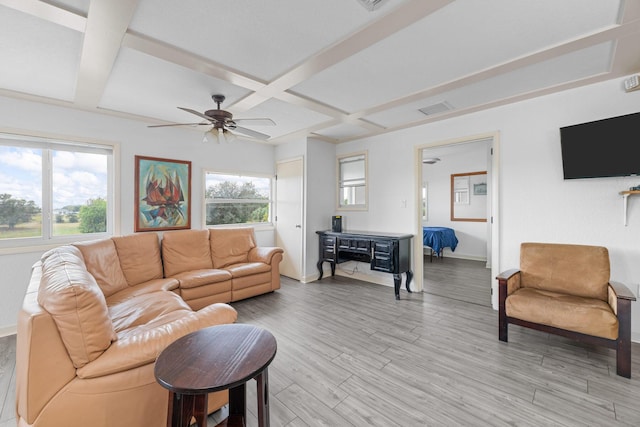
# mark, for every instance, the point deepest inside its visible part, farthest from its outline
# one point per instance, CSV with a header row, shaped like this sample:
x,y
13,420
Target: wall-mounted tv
x,y
603,148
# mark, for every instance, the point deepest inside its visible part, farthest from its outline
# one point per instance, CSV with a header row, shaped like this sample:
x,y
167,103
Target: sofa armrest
x,y
264,254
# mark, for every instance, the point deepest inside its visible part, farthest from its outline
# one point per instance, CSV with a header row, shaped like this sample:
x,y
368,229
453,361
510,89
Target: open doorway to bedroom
x,y
458,195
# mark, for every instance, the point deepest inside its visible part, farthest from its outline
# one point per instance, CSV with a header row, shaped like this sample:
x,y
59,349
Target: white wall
x,y
536,204
134,139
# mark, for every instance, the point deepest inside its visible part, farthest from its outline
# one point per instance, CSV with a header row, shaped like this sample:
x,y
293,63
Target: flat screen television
x,y
603,148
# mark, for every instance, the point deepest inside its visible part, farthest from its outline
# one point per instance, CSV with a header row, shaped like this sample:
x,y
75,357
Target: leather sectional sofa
x,y
97,314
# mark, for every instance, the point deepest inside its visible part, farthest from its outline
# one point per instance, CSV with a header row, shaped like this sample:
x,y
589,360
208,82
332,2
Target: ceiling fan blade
x,y
256,122
179,124
251,133
197,113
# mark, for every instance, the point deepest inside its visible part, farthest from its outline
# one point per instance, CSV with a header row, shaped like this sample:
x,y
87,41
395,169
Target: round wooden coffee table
x,y
213,359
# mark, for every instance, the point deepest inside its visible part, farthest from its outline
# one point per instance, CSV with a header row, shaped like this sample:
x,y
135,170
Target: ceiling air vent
x,y
438,108
371,5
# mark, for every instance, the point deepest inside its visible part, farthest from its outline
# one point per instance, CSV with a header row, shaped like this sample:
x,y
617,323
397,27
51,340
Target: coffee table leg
x,y
180,410
263,398
200,409
238,403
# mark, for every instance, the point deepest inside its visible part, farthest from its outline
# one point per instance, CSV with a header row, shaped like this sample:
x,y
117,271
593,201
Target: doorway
x,y
466,272
289,216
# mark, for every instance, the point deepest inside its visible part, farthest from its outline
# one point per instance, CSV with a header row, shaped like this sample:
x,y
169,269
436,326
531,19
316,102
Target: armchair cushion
x,y
574,313
577,270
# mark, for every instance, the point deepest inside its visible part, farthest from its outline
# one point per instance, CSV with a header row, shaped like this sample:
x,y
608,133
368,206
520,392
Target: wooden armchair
x,y
565,290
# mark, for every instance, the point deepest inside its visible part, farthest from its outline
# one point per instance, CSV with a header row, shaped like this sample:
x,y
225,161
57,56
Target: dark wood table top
x,y
215,358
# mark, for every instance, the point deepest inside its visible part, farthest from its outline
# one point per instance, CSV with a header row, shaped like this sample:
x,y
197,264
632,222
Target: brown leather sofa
x,y
97,314
565,290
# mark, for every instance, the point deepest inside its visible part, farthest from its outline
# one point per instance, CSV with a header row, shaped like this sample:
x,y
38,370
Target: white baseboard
x,y
8,330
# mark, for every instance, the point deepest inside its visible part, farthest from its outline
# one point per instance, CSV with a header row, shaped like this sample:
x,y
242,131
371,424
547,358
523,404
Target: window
x,y
237,199
53,189
352,181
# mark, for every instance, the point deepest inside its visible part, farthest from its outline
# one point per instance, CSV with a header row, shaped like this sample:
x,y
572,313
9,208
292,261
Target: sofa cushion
x,y
248,269
142,309
168,284
589,316
76,303
230,245
185,250
555,267
142,344
197,278
139,256
101,259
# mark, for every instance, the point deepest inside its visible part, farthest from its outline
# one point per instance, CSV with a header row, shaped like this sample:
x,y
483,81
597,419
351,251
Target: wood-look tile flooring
x,y
461,279
349,354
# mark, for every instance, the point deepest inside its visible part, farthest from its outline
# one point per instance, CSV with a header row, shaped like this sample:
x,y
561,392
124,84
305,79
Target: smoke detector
x,y
371,5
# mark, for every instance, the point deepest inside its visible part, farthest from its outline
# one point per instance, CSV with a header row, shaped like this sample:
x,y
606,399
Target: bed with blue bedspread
x,y
438,238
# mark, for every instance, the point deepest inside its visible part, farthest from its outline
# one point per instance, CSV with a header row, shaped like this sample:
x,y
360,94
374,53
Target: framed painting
x,y
162,194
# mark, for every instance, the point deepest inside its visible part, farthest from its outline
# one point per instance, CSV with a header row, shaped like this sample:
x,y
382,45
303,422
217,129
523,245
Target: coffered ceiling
x,y
330,69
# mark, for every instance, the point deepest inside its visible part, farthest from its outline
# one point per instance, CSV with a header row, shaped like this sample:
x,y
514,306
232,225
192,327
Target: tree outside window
x,y
237,199
52,188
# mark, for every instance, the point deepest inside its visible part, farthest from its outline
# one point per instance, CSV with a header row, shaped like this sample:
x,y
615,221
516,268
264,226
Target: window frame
x,y
255,225
339,182
48,143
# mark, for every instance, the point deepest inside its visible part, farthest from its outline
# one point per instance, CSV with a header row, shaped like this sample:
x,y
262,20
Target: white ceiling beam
x,y
606,35
188,60
48,12
398,19
107,24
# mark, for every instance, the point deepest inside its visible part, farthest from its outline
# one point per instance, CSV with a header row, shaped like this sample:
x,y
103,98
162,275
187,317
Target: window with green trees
x,y
237,199
51,188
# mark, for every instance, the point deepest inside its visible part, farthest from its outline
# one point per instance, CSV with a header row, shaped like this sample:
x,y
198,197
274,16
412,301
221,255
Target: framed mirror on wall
x,y
469,196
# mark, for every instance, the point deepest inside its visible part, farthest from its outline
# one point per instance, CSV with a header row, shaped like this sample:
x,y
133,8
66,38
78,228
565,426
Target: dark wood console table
x,y
387,252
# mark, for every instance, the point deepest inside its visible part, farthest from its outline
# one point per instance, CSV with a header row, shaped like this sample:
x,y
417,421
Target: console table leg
x,y
397,279
333,269
409,277
319,265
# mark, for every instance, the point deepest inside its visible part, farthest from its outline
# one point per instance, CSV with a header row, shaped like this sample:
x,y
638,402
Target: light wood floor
x,y
349,354
461,279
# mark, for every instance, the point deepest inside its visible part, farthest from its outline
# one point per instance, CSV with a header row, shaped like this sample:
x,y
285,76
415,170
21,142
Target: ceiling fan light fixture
x,y
211,136
230,137
431,160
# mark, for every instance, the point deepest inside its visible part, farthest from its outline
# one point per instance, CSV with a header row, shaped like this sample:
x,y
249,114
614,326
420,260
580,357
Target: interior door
x,y
289,226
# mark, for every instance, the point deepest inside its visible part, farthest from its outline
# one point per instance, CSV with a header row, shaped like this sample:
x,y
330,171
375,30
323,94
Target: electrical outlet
x,y
632,83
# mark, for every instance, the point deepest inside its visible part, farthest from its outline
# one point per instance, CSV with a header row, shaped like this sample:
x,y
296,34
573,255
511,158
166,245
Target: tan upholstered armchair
x,y
565,290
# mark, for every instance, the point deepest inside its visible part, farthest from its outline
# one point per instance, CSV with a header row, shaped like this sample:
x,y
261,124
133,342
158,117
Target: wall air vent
x,y
371,5
438,108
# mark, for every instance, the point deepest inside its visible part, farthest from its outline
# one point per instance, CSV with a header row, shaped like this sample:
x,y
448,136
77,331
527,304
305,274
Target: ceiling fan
x,y
222,123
